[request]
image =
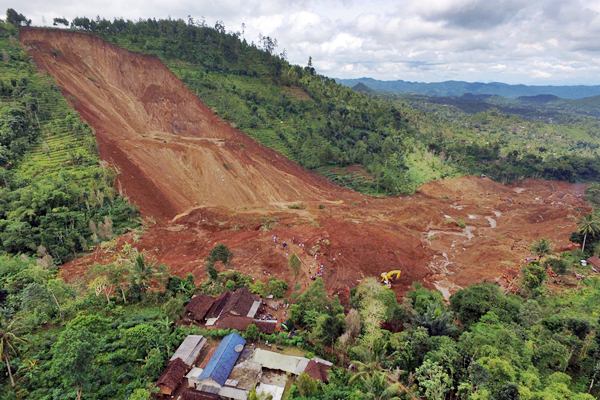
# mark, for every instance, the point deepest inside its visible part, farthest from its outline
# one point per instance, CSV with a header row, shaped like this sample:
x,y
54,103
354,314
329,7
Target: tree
x,y
295,264
433,380
9,339
220,253
377,386
211,271
252,332
140,394
472,302
541,248
60,21
16,19
74,351
534,276
143,274
588,225
328,328
307,386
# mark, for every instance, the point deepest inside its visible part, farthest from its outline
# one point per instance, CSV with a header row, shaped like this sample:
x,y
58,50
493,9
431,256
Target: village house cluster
x,y
231,310
232,369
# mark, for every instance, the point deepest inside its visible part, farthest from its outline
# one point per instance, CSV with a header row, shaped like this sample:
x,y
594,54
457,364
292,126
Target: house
x,y
318,369
245,375
198,307
231,310
171,378
281,362
594,262
189,350
265,389
216,308
241,323
240,303
189,394
218,368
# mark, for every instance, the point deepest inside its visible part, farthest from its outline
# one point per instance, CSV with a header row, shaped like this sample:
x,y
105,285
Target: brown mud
x,y
205,182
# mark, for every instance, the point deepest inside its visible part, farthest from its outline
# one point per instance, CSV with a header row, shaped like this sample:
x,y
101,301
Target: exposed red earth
x,y
204,183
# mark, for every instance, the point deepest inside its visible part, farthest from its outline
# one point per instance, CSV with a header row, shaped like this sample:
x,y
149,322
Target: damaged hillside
x,y
153,246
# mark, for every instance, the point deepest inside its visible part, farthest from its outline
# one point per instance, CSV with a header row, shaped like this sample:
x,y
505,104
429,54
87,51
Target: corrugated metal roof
x,y
233,393
223,359
189,349
276,392
271,360
254,308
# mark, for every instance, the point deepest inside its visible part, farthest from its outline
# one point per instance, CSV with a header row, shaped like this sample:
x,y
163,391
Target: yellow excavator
x,y
388,277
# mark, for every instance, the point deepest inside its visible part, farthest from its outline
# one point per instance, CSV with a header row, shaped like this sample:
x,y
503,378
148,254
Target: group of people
x,y
284,246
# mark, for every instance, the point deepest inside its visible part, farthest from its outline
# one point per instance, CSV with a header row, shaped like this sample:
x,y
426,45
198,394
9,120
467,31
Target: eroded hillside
x,y
205,182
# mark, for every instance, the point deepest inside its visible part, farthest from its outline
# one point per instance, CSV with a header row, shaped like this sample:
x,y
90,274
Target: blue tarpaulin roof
x,y
224,358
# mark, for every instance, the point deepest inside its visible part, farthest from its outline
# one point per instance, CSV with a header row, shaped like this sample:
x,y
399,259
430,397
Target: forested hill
x,y
361,141
458,88
56,200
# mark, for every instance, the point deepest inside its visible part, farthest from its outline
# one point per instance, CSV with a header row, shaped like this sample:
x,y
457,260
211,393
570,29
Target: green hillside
x,y
332,129
55,197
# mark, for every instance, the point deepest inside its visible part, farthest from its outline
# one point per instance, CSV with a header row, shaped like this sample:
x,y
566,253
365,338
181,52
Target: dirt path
x,y
205,182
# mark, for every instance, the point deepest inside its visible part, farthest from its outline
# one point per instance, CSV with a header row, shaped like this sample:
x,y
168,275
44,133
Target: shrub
x,y
558,265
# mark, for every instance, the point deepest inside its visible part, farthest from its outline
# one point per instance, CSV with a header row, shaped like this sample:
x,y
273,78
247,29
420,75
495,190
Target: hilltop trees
x,y
60,21
16,19
589,225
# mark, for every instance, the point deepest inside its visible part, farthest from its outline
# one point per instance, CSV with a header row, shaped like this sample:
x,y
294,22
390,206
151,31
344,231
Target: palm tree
x,y
541,248
143,273
588,225
378,382
8,342
377,387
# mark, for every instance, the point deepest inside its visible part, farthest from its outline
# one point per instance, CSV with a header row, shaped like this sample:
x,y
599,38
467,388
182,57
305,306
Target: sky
x,y
513,41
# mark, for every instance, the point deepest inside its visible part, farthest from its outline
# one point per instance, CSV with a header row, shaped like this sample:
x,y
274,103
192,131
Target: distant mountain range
x,y
458,88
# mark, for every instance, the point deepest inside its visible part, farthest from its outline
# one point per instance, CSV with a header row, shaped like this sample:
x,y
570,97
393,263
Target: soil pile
x,y
204,183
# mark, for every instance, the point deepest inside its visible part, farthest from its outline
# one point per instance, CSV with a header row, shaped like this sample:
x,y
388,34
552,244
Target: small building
x,y
265,389
240,303
189,394
594,262
189,350
198,307
241,323
171,378
245,375
318,369
218,368
281,362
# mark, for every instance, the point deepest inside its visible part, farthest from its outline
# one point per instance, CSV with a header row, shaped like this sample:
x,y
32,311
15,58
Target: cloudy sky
x,y
513,41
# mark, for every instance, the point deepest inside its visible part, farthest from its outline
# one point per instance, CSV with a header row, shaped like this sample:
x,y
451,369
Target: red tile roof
x,y
595,261
172,376
240,302
317,370
218,305
198,307
190,394
242,323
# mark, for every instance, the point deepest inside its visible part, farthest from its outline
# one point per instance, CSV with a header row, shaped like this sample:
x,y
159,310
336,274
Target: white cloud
x,y
527,41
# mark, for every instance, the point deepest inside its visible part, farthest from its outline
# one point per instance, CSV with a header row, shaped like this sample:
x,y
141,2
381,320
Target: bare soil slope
x,y
172,151
206,183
